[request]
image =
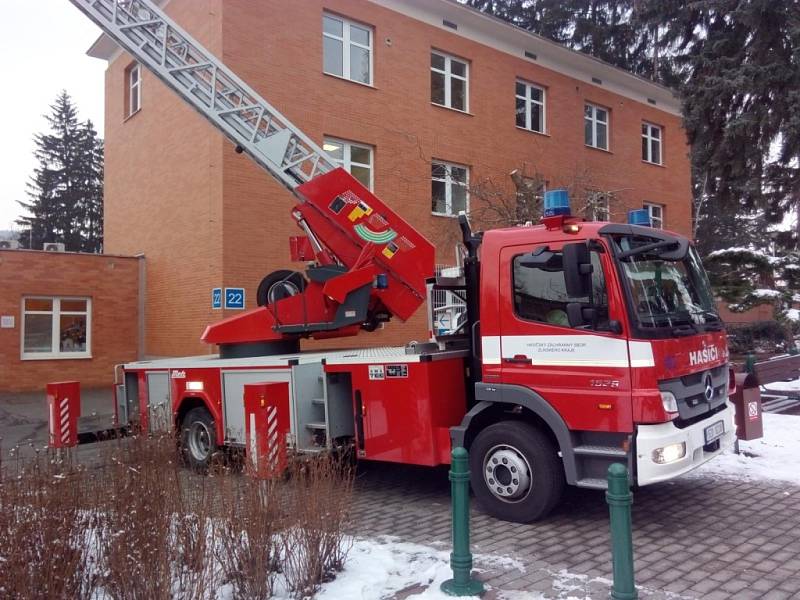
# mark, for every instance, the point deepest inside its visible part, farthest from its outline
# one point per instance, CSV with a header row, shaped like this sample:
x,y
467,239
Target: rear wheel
x,y
516,473
198,438
278,285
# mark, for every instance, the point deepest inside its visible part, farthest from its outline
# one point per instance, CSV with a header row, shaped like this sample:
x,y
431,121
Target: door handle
x,y
518,359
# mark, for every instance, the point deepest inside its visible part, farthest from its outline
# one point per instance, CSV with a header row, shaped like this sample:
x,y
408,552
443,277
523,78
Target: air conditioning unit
x,y
9,245
53,247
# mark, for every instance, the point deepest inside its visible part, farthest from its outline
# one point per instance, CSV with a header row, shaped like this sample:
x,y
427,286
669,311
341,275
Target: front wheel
x,y
515,472
198,438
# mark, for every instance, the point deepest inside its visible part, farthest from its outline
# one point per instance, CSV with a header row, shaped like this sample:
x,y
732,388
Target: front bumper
x,y
651,437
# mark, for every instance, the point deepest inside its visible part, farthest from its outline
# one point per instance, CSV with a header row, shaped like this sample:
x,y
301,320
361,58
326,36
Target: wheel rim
x,y
507,473
199,441
280,290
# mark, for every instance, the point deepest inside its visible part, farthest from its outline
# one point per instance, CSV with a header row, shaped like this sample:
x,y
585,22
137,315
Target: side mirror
x,y
542,258
577,270
579,314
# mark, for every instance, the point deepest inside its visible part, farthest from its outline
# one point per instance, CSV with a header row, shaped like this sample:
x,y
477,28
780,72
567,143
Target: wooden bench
x,y
779,368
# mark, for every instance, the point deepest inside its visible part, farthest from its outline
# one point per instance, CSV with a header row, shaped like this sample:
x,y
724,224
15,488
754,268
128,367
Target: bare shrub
x,y
191,541
245,536
138,526
136,519
314,545
42,546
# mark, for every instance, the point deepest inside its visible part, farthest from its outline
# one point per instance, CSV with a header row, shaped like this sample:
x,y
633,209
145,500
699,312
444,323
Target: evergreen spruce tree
x,y
741,61
65,193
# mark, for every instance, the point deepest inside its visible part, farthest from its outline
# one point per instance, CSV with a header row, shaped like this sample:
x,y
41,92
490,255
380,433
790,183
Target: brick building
x,y
426,101
67,316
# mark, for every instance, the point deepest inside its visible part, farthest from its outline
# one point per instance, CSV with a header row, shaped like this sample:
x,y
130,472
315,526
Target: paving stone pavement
x,y
696,538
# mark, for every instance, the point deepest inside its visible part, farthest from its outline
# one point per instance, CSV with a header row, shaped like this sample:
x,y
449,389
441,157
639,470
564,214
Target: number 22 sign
x,y
234,298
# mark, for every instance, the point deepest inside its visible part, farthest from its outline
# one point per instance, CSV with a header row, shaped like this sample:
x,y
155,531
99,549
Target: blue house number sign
x,y
234,298
216,298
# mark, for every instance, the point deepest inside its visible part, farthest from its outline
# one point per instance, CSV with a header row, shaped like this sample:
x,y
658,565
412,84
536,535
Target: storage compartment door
x,y
233,383
158,401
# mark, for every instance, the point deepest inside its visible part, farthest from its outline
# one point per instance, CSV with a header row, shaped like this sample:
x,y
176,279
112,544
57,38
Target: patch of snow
x,y
381,568
784,386
793,314
734,250
766,293
771,458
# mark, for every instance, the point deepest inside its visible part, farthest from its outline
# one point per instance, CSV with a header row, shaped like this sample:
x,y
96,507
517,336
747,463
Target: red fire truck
x,y
555,349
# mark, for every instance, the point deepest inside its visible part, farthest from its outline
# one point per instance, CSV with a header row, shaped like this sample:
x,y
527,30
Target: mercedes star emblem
x,y
708,390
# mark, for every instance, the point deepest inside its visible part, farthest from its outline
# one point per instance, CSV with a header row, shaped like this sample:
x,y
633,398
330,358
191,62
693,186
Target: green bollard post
x,y
620,498
750,363
462,583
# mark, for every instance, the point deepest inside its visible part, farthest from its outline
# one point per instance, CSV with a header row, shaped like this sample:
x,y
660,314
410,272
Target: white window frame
x,y
528,105
55,321
347,162
655,222
448,76
650,139
134,89
346,43
594,121
449,182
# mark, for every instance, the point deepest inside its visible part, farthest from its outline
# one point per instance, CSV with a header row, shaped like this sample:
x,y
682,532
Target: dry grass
x,y
139,526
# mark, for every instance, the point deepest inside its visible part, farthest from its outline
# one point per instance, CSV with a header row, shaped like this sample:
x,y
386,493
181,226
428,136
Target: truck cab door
x,y
582,370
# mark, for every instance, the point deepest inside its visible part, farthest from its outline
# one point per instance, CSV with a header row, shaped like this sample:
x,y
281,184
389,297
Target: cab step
x,y
592,483
317,425
319,401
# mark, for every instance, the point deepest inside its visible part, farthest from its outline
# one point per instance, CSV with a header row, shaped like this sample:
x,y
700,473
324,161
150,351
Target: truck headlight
x,y
669,454
669,402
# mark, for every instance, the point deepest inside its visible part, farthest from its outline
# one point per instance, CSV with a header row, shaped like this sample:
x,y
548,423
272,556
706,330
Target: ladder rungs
x,y
317,425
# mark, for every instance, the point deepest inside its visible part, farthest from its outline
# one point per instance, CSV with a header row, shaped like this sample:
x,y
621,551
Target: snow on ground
x,y
380,568
784,386
773,457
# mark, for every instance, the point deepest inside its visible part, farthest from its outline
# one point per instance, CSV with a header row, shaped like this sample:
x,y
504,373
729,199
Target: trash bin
x,y
747,401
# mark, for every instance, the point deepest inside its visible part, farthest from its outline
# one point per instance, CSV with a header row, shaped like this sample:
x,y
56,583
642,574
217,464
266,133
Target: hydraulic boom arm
x,y
367,263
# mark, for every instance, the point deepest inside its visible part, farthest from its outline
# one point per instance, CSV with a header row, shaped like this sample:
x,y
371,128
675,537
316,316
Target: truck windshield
x,y
666,294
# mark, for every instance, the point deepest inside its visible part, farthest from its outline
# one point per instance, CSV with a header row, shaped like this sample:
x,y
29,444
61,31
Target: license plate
x,y
715,431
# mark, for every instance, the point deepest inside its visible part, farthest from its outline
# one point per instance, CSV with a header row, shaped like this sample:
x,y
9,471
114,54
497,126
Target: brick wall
x,y
112,284
239,216
761,312
163,194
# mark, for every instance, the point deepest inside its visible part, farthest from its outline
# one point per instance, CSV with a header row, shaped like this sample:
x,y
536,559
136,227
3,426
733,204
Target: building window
x,y
346,49
56,327
449,81
595,121
133,76
656,212
449,195
356,159
651,143
530,107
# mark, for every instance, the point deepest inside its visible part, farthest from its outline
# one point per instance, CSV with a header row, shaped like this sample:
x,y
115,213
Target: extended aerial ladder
x,y
366,263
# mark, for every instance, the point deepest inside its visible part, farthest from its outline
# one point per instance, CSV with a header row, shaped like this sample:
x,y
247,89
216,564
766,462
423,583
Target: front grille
x,y
697,378
689,391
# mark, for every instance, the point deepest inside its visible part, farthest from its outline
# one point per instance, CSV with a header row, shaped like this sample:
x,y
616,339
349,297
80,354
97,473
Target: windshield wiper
x,y
663,244
684,330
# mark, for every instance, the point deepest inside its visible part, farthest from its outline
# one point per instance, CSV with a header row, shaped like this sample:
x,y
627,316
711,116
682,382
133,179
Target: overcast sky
x,y
43,47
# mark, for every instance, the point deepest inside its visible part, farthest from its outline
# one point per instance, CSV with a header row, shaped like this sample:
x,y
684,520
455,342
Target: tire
x,y
279,284
198,439
499,458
